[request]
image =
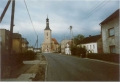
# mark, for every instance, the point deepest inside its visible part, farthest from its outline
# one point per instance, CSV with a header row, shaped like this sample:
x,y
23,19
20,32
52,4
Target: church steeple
x,y
47,24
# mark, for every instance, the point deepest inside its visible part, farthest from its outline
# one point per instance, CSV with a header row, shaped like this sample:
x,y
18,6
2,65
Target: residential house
x,y
36,49
4,34
4,52
17,43
93,44
24,45
64,44
111,33
30,48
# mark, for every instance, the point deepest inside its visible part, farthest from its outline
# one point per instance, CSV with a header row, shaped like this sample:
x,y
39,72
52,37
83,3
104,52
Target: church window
x,y
47,34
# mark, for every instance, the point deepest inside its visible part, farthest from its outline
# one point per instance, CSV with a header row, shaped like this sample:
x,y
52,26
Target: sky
x,y
83,15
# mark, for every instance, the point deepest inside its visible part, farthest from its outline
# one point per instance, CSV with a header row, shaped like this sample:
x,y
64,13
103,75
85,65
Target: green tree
x,y
78,38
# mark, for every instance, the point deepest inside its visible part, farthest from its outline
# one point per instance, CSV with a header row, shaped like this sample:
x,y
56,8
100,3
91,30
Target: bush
x,y
29,55
78,51
105,57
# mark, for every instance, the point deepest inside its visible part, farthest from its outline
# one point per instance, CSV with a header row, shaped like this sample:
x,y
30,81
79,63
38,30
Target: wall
x,y
47,41
100,46
107,41
17,45
63,45
5,41
91,47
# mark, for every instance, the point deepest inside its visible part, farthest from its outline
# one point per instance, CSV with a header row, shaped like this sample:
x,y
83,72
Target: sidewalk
x,y
28,71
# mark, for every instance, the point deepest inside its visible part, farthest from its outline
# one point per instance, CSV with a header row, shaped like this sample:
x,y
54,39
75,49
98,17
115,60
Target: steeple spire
x,y
47,24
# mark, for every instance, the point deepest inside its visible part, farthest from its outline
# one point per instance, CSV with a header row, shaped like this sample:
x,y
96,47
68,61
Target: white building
x,y
93,44
36,49
63,45
30,48
110,33
67,49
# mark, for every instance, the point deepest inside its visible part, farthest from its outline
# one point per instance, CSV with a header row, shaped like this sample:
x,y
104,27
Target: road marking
x,y
103,61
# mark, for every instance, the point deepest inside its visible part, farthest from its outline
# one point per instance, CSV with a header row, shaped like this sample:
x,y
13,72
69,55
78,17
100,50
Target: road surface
x,y
70,68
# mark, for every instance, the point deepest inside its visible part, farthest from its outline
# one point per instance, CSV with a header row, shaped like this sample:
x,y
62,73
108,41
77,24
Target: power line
x,y
93,11
32,24
30,17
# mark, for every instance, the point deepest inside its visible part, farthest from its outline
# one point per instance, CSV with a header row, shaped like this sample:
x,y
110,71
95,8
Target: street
x,y
70,68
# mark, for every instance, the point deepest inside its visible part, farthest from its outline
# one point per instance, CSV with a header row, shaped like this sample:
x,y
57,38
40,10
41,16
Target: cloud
x,y
61,14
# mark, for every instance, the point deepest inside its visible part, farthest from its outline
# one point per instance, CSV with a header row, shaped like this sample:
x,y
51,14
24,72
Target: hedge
x,y
105,57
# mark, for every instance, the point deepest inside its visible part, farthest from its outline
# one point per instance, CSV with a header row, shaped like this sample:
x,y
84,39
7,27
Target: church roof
x,y
55,41
47,24
47,28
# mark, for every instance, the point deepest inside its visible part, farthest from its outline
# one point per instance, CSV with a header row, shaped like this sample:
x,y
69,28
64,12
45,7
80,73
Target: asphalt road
x,y
70,68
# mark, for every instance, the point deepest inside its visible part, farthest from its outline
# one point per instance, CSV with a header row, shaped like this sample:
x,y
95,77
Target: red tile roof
x,y
55,41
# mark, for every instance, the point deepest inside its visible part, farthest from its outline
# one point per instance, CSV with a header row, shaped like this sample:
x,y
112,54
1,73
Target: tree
x,y
78,51
78,38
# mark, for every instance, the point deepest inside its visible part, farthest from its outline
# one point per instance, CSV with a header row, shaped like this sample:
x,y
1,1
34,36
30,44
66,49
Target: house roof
x,y
90,39
24,40
55,41
16,35
115,14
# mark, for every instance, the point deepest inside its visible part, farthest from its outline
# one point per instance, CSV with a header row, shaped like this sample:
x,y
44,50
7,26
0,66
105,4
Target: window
x,y
93,47
112,49
90,46
47,34
111,32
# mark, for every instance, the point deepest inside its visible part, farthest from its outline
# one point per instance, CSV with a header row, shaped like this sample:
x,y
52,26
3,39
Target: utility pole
x,y
37,41
6,7
11,26
71,34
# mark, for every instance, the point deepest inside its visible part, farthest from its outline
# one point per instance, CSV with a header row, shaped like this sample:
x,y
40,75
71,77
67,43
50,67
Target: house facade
x,y
4,34
93,44
24,45
17,43
110,33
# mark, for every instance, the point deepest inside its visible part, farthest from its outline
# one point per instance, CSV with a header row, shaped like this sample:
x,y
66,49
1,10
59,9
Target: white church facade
x,y
50,44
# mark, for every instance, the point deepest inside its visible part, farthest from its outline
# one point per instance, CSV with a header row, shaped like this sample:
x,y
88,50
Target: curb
x,y
46,68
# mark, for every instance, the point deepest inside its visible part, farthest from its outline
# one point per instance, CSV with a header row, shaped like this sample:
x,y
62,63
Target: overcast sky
x,y
83,15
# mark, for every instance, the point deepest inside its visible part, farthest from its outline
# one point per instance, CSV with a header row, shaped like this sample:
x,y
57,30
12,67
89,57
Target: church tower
x,y
46,46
